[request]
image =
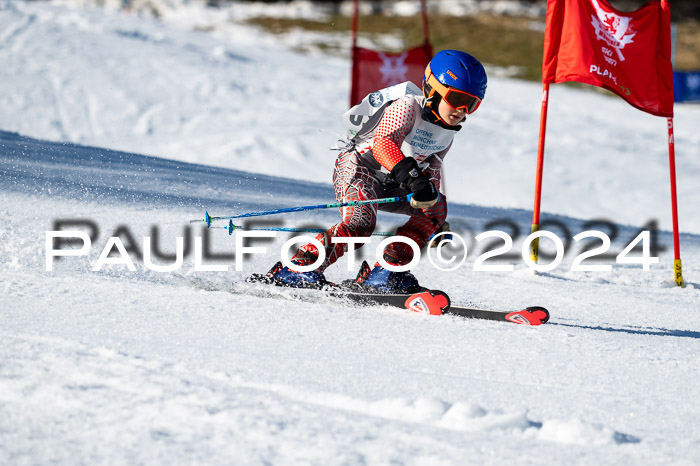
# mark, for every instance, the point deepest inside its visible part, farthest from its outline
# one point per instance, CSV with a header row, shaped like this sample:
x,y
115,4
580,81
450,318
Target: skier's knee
x,y
438,212
356,227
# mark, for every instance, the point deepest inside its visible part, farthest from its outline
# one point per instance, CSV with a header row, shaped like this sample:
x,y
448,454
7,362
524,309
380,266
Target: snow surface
x,y
189,366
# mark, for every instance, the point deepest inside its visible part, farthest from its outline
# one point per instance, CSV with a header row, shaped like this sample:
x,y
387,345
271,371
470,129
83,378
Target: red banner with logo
x,y
591,42
372,70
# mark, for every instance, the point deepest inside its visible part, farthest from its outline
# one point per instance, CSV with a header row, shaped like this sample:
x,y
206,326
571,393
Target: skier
x,y
398,151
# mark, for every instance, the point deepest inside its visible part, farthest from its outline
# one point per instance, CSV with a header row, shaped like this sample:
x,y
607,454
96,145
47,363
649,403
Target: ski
x,y
431,302
535,315
422,301
435,302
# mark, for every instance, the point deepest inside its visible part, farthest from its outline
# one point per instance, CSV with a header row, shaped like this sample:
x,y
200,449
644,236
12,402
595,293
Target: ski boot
x,y
283,276
384,281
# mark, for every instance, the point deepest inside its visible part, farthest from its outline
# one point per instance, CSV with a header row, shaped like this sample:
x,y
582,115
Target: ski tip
x,y
231,227
539,311
534,315
207,218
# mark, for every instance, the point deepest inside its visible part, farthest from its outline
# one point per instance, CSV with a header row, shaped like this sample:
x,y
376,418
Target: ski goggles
x,y
454,97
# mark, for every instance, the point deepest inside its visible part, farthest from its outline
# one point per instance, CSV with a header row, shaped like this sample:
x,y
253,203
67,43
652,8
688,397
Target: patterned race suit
x,y
400,129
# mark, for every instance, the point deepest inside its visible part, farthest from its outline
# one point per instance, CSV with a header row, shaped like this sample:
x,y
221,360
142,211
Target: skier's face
x,y
450,115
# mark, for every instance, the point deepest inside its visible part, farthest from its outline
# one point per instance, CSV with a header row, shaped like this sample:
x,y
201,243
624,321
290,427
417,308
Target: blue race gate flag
x,y
686,86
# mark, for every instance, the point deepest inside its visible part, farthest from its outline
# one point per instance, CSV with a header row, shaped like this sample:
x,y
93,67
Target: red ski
x,y
535,315
435,302
423,301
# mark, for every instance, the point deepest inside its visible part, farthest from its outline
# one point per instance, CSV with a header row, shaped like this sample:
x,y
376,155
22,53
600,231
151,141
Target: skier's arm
x,y
396,123
434,168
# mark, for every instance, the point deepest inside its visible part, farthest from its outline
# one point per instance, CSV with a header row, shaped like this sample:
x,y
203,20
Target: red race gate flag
x,y
591,42
372,70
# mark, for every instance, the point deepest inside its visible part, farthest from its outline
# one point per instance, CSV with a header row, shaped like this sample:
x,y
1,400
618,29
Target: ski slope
x,y
136,132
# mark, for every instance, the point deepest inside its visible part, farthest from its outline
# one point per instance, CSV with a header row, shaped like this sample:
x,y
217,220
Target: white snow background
x,y
138,125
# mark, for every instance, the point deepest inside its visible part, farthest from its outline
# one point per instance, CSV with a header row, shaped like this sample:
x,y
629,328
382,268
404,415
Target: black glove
x,y
409,176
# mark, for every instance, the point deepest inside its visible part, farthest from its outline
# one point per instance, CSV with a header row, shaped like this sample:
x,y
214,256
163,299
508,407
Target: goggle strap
x,y
433,110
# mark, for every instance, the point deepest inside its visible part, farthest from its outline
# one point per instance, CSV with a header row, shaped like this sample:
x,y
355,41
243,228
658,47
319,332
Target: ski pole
x,y
208,218
231,228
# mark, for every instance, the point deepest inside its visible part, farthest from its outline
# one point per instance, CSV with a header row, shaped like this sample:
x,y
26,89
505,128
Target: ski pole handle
x,y
208,218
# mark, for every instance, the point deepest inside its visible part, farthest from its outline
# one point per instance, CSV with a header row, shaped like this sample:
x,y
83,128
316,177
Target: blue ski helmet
x,y
456,77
